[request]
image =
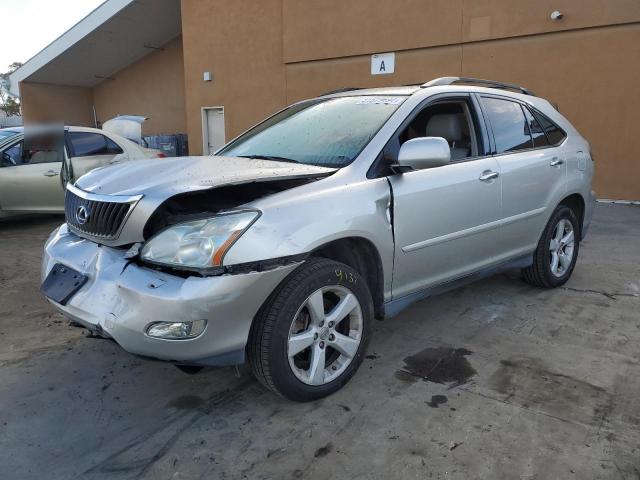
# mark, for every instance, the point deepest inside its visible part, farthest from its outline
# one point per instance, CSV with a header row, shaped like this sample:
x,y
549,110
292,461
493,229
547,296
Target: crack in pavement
x,y
612,296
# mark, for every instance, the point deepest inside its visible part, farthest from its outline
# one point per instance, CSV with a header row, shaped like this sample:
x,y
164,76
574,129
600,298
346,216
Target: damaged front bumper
x,y
121,299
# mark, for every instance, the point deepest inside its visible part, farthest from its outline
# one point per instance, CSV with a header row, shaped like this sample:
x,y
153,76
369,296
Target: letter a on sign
x,y
383,63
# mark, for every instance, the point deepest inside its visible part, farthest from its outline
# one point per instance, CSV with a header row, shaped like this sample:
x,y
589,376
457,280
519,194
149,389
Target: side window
x,y
450,120
554,133
510,128
537,134
17,154
12,156
86,144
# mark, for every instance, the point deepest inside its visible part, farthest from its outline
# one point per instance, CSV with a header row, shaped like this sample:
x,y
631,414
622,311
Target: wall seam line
x,y
471,42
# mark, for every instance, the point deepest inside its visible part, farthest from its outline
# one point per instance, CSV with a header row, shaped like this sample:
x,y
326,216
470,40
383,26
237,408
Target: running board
x,y
394,307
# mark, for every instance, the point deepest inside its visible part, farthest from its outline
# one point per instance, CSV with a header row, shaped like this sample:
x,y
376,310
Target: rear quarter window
x,y
554,133
537,133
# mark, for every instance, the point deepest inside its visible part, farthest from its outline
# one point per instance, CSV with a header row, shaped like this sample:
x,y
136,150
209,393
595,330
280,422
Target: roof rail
x,y
340,90
476,81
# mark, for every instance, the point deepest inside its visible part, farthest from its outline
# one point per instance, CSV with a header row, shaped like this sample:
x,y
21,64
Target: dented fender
x,y
300,220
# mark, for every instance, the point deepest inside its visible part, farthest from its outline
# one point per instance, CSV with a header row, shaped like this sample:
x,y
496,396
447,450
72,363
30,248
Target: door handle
x,y
51,173
555,161
488,175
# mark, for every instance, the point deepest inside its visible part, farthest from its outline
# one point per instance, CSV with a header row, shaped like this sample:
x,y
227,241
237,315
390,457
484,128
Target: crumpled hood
x,y
168,176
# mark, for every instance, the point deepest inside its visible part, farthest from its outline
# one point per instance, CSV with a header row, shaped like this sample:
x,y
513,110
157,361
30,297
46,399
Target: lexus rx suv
x,y
283,247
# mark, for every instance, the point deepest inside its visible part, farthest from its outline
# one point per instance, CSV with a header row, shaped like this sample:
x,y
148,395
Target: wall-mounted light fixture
x,y
557,15
207,77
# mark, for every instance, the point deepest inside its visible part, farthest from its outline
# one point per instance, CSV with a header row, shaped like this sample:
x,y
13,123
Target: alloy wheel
x,y
561,248
325,335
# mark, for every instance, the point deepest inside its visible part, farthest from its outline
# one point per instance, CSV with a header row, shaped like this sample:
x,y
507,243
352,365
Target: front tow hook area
x,y
93,331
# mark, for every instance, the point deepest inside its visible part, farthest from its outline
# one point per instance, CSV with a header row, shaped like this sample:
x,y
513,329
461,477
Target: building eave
x,y
111,37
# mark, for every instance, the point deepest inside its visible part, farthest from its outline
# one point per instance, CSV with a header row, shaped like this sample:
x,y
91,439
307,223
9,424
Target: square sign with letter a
x,y
382,63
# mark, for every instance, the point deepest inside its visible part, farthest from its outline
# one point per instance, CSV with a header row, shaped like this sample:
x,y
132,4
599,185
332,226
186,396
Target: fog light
x,y
176,330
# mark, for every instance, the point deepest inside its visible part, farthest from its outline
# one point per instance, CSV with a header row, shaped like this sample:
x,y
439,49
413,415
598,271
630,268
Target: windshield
x,y
329,133
7,133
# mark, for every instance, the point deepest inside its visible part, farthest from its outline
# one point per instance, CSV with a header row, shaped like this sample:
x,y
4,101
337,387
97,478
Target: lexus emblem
x,y
82,215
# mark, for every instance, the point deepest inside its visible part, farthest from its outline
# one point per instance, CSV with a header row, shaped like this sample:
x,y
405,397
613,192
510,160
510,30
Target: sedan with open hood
x,y
36,163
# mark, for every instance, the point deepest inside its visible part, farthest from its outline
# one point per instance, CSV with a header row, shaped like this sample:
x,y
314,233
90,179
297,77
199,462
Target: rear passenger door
x,y
89,150
532,169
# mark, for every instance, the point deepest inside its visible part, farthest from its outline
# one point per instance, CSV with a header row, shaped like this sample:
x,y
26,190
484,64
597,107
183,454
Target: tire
x,y
288,317
541,273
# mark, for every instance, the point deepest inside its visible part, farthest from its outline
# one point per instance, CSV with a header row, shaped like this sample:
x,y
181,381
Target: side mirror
x,y
424,152
7,161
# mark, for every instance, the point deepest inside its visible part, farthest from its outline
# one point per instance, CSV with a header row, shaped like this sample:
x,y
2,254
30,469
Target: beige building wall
x,y
240,43
266,56
335,28
152,87
42,102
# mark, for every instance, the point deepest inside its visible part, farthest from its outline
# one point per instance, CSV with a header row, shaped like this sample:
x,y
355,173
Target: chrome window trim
x,y
532,109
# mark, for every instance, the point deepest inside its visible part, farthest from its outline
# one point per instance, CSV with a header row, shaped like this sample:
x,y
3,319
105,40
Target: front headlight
x,y
199,243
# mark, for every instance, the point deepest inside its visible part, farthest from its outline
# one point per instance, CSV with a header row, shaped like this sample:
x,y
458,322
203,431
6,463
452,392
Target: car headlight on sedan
x,y
199,243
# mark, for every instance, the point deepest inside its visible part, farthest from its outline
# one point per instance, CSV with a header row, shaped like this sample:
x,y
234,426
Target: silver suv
x,y
283,247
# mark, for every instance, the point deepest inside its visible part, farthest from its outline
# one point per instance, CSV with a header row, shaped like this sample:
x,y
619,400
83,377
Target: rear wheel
x,y
557,251
310,337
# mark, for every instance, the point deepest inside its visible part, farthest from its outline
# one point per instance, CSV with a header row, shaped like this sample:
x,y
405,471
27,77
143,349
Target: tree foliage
x,y
8,103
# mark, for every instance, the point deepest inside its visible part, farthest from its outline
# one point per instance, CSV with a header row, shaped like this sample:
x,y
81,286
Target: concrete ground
x,y
537,384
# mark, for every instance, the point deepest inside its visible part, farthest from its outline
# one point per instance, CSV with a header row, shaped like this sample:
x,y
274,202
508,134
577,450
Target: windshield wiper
x,y
269,157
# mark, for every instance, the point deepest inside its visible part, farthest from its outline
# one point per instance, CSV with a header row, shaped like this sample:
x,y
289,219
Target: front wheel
x,y
310,337
557,251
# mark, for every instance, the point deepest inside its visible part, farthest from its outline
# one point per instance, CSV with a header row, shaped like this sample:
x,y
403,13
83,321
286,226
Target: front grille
x,y
102,219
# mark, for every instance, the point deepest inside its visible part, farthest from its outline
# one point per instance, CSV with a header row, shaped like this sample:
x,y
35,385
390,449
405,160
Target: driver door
x,y
30,180
446,219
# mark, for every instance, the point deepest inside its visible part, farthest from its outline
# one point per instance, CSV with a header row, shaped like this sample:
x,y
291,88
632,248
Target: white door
x,y
212,129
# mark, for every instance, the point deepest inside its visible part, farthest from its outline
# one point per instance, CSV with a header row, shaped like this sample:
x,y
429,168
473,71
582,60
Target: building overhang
x,y
113,36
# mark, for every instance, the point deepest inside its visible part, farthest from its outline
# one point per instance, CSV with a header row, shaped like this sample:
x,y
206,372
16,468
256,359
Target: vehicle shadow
x,y
103,413
21,221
